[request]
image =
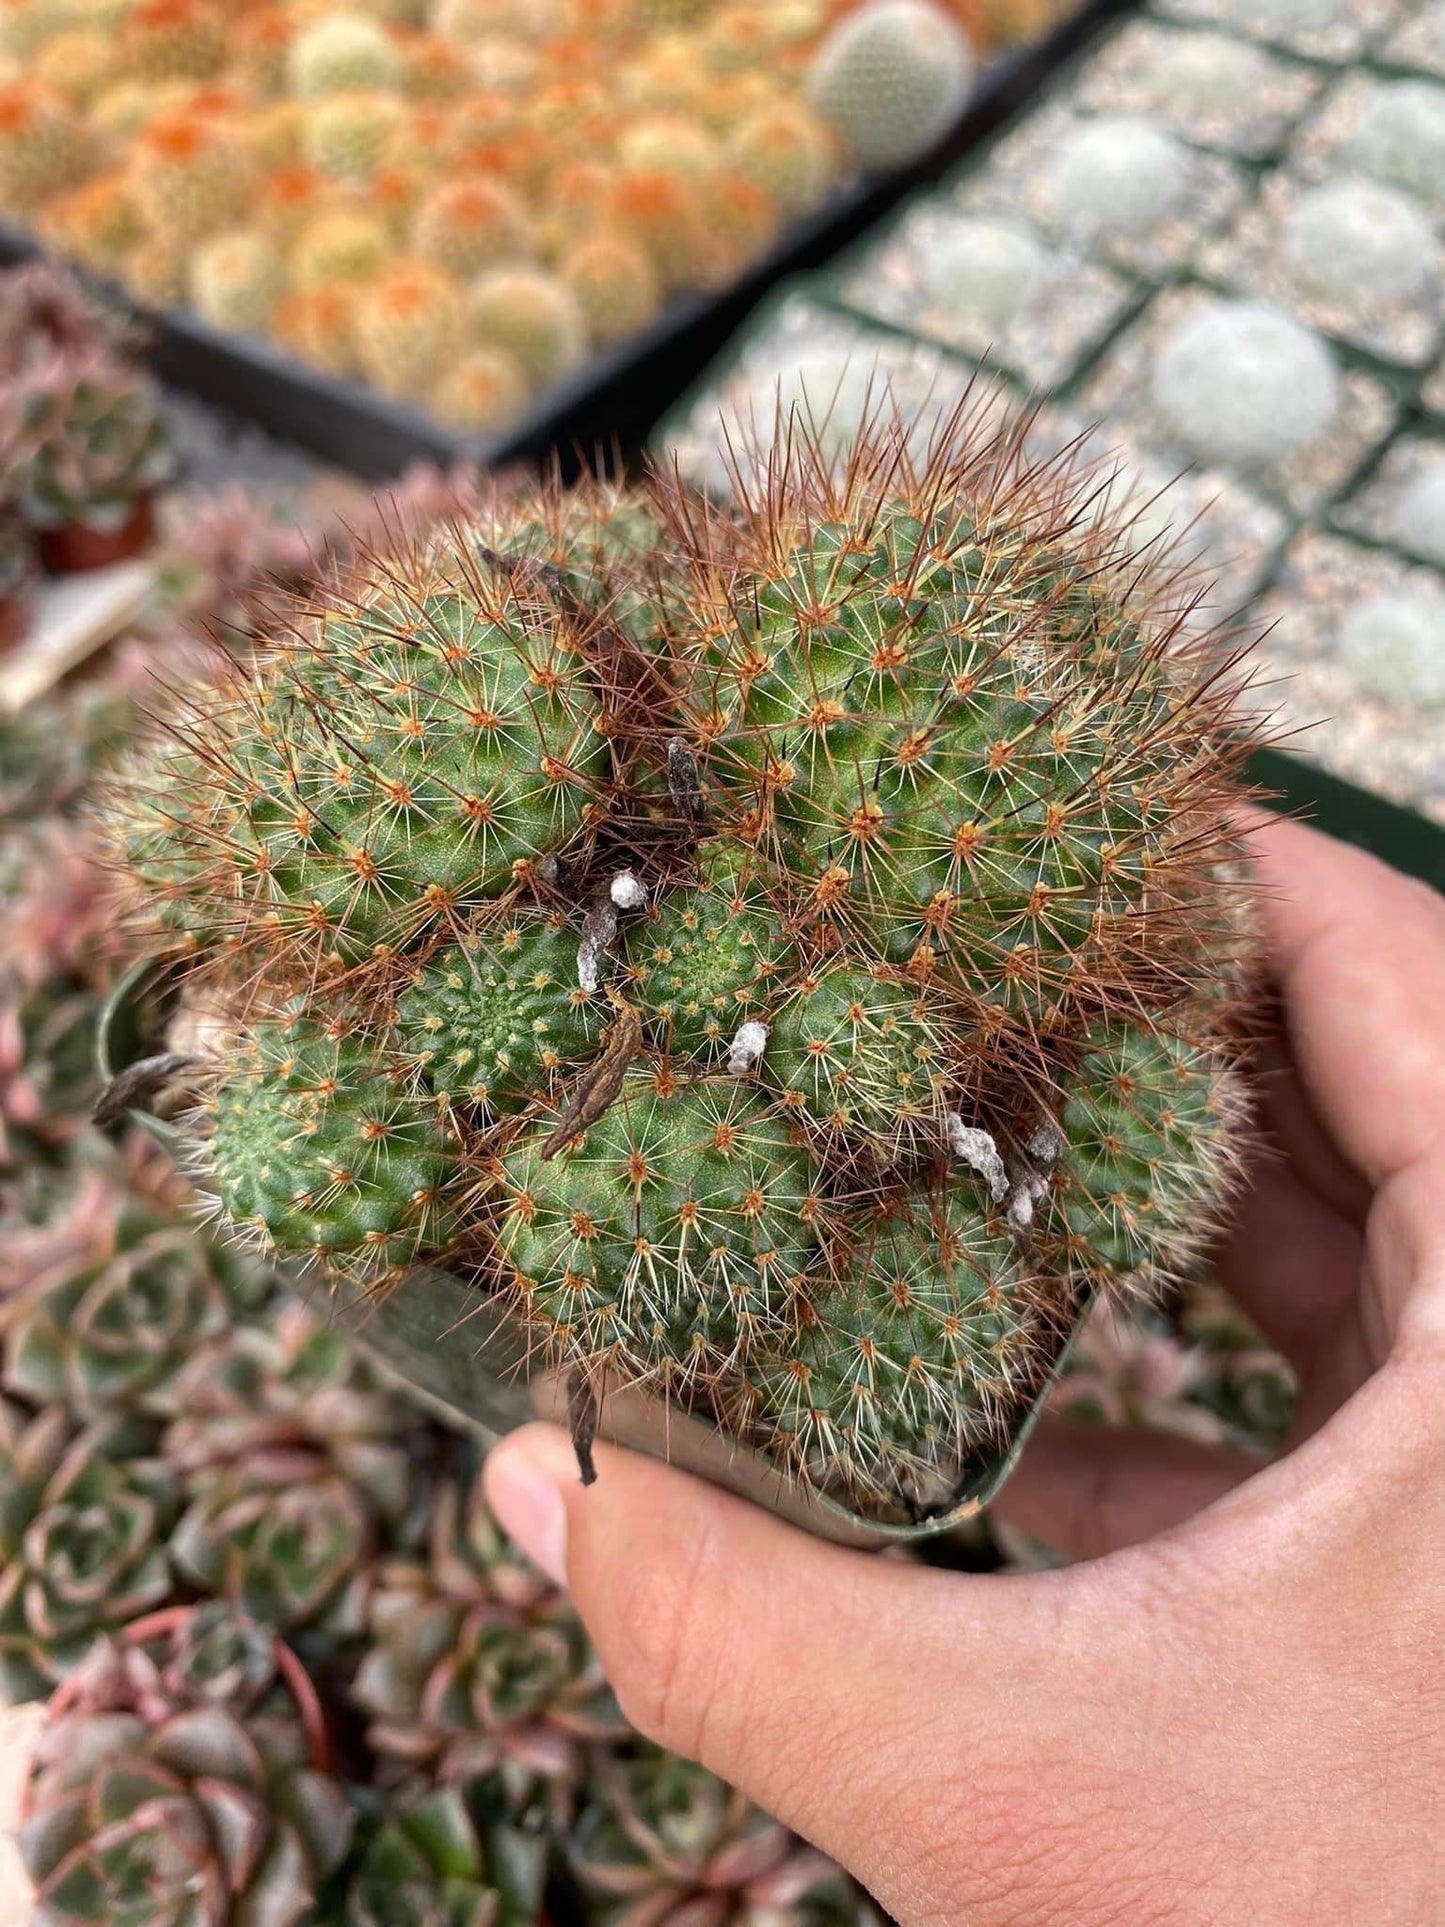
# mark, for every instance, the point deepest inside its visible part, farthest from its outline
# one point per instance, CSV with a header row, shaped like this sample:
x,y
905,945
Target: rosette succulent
x,y
662,1843
95,442
182,1782
760,944
294,1470
116,1303
429,1863
479,1668
85,1513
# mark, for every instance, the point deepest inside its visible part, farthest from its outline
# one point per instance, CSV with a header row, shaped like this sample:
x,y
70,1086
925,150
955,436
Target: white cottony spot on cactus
x,y
1394,646
1417,522
1029,1191
1401,139
987,269
1118,175
1358,242
1245,385
747,1047
1047,1143
1205,72
891,78
979,1152
627,891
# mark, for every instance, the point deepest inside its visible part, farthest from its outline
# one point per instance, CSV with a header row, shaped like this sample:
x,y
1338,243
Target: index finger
x,y
1358,952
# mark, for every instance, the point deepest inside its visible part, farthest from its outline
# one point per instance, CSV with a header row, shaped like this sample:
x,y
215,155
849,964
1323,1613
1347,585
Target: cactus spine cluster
x,y
760,944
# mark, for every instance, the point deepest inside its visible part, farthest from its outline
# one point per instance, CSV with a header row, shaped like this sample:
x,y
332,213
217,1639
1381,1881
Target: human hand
x,y
1233,1709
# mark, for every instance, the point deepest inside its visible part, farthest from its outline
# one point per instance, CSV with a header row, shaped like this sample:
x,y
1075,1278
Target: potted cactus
x,y
95,449
753,976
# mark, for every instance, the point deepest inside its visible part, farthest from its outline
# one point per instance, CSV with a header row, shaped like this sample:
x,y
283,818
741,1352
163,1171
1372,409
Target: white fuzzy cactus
x,y
1401,138
1358,242
890,79
1394,647
1244,385
1417,521
987,269
1118,175
1204,72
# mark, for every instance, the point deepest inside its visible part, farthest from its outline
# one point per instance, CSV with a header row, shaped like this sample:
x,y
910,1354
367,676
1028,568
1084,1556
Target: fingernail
x,y
530,1508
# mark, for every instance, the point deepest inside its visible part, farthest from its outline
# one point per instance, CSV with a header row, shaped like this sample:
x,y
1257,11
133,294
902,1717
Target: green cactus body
x,y
664,1241
401,765
493,1021
317,1150
1151,1124
793,952
708,960
913,1351
860,1057
919,724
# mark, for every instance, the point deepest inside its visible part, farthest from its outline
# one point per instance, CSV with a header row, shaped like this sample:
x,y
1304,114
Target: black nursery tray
x,y
1410,842
615,399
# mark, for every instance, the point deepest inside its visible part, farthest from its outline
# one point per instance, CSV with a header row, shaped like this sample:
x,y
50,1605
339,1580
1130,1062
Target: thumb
x,y
842,1691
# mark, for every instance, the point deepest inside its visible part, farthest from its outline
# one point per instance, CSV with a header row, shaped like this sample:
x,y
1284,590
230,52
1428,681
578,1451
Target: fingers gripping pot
x,y
744,978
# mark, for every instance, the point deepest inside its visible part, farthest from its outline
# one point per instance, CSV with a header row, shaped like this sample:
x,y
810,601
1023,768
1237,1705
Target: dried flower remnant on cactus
x,y
810,1026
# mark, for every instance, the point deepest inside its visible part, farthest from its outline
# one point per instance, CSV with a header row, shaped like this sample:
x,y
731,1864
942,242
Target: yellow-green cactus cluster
x,y
456,200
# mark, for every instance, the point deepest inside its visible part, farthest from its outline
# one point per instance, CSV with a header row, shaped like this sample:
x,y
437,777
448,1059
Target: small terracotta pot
x,y
15,613
75,549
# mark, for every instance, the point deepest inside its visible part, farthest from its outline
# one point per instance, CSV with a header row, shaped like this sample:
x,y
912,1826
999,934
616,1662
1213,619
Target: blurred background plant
x,y
343,177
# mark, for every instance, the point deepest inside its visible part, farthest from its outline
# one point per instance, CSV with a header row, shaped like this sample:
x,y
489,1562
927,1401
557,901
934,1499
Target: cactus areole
x,y
793,952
